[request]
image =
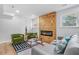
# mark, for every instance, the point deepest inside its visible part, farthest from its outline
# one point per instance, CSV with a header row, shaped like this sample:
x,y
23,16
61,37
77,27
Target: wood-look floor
x,y
7,49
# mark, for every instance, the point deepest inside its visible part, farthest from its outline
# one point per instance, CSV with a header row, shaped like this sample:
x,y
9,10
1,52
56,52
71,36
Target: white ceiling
x,y
33,9
36,9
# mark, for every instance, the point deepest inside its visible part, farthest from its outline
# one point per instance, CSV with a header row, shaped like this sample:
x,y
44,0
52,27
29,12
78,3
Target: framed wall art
x,y
70,20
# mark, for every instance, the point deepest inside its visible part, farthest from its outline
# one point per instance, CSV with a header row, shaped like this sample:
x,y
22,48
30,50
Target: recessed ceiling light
x,y
17,11
33,16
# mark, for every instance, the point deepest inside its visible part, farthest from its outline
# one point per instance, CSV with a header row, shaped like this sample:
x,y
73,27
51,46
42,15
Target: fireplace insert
x,y
46,33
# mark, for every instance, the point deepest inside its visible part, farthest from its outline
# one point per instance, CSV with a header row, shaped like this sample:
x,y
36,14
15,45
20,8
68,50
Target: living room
x,y
29,21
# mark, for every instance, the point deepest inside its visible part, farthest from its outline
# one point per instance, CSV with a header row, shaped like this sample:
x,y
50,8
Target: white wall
x,y
14,26
11,26
62,31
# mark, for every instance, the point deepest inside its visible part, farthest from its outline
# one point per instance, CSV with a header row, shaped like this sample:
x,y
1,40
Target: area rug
x,y
21,46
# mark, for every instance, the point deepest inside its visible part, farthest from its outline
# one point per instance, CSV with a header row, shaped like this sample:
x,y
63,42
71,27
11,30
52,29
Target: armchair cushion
x,y
17,38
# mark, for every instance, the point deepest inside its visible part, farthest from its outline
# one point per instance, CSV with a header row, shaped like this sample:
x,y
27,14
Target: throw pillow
x,y
67,38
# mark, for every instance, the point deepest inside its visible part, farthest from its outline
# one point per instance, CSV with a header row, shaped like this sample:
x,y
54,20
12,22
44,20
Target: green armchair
x,y
31,35
17,38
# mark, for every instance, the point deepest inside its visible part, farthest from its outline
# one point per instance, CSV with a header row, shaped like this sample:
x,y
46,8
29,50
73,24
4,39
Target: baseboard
x,y
4,41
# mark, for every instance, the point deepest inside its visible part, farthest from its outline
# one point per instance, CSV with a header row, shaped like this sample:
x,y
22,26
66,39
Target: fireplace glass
x,y
46,33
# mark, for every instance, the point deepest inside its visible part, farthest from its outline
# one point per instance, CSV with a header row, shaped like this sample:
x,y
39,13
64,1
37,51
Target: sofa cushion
x,y
60,47
43,50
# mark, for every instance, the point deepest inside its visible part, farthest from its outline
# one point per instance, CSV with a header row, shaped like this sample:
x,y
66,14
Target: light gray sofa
x,y
73,46
71,49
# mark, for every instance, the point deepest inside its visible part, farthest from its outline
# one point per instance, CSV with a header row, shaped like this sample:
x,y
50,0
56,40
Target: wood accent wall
x,y
47,22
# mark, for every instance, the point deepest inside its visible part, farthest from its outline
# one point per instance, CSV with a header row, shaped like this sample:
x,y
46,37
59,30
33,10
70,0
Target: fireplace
x,y
46,33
